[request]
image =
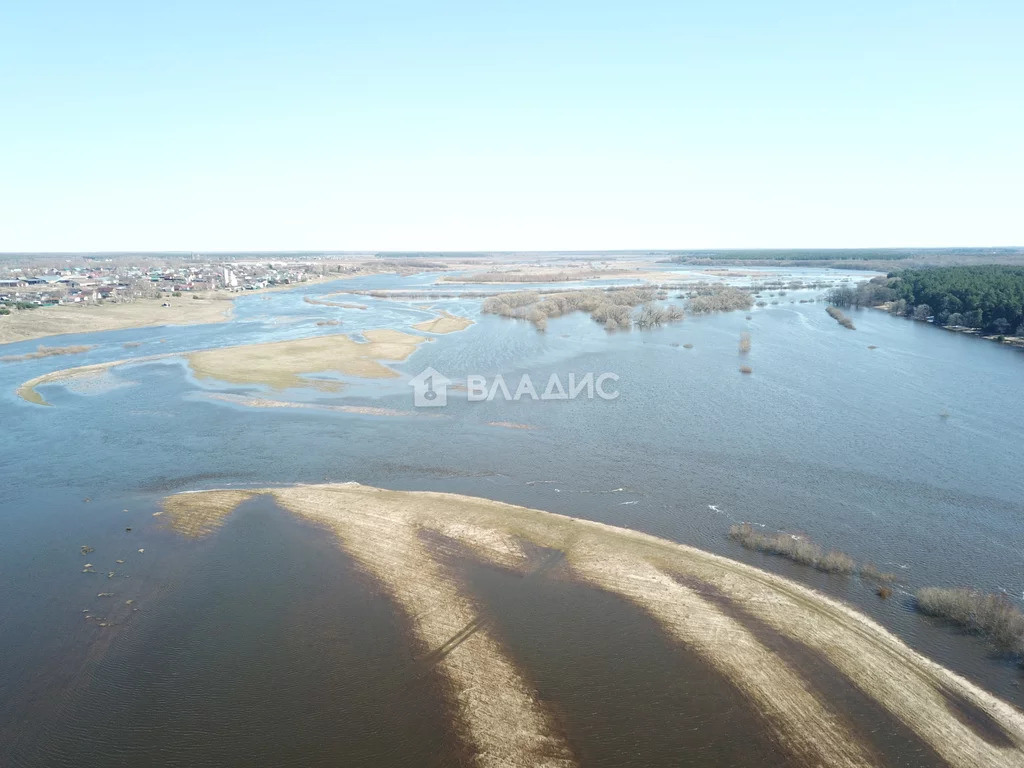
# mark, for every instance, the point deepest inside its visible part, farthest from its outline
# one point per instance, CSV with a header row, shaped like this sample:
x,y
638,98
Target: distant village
x,y
30,284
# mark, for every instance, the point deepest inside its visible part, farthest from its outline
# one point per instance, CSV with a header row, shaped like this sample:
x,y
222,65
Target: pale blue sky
x,y
528,125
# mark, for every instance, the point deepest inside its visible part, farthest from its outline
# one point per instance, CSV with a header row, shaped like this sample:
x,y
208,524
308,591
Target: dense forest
x,y
990,298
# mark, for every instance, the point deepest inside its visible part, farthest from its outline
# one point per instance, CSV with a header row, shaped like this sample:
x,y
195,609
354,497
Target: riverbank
x,y
1012,341
199,308
28,324
729,614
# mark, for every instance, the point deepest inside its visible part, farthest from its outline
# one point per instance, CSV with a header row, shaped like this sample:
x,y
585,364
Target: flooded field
x,y
267,638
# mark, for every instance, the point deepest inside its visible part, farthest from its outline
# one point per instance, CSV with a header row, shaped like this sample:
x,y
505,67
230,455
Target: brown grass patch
x,y
840,318
44,351
198,514
444,323
869,571
799,549
280,364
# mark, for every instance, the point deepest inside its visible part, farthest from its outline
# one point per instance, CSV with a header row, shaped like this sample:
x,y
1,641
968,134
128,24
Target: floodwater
x,y
263,644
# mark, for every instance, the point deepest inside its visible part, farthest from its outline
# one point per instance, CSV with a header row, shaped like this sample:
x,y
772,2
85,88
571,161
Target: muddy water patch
x,y
891,741
623,693
269,649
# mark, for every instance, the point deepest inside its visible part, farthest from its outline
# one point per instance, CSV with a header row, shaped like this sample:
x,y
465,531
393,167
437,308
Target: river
x,y
897,442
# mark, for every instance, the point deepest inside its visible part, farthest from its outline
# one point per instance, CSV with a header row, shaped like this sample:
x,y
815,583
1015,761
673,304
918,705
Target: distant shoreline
x,y
188,309
963,330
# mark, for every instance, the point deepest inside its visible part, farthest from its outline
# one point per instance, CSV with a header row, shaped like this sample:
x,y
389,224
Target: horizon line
x,y
508,251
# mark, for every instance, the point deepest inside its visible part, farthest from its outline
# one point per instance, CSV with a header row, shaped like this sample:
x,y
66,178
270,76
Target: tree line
x,y
989,298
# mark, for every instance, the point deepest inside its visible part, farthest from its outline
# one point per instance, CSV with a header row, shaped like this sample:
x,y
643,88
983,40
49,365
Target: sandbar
x,y
263,402
715,607
278,364
27,391
444,323
281,364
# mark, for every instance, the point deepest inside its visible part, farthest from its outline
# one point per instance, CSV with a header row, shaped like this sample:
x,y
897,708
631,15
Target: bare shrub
x,y
840,318
982,613
836,562
687,346
505,303
799,549
650,316
869,571
43,351
610,307
744,343
720,298
746,369
884,592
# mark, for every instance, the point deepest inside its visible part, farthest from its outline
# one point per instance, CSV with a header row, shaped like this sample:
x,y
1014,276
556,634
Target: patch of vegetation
x,y
993,616
799,549
652,316
719,298
869,571
44,351
870,293
840,318
612,307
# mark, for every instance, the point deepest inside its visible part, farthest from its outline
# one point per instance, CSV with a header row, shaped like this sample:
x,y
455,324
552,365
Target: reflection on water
x,y
826,436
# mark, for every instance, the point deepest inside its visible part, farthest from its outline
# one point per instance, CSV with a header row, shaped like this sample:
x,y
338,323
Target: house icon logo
x,y
429,389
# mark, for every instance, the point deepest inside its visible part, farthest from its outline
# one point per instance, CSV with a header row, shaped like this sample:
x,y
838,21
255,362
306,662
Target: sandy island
x,y
446,322
277,364
717,608
280,364
27,391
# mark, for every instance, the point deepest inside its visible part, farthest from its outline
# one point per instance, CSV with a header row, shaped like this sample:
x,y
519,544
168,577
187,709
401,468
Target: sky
x,y
390,125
